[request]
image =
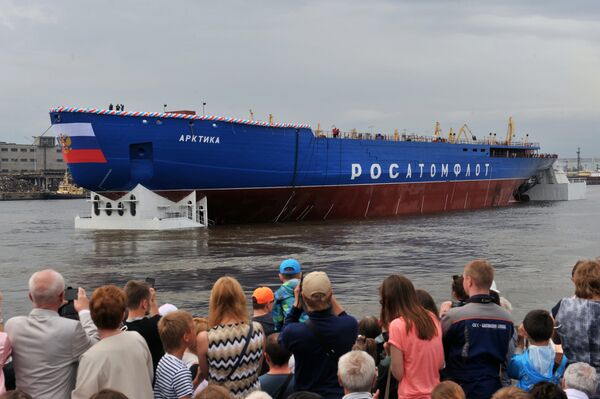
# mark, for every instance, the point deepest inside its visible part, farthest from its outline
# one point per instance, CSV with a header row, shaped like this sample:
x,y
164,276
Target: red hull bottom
x,y
351,202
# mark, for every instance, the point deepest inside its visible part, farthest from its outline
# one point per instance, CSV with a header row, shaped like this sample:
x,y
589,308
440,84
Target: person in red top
x,y
415,341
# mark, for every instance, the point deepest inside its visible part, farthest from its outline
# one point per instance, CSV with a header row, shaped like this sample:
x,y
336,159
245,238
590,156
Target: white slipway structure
x,y
141,209
553,185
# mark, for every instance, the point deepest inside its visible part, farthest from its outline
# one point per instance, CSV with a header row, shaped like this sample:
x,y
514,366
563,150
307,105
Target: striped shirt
x,y
173,379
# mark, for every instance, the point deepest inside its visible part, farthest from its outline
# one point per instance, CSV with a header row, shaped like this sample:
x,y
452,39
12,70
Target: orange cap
x,y
263,295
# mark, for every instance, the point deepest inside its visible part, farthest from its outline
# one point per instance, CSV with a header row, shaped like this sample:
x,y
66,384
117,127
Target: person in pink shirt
x,y
5,348
415,342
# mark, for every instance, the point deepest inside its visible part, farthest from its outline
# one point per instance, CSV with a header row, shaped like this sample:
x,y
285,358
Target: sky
x,y
371,65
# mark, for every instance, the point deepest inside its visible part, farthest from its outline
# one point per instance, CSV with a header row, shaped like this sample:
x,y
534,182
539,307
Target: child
x,y
173,378
539,362
289,274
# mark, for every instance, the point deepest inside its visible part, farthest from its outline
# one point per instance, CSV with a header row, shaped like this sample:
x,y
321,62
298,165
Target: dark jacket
x,y
315,371
479,338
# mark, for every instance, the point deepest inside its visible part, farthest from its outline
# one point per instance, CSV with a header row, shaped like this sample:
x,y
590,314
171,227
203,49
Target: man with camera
x,y
47,347
319,342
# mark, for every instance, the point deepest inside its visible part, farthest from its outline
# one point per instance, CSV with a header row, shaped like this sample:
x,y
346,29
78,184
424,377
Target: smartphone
x,y
71,294
150,281
300,298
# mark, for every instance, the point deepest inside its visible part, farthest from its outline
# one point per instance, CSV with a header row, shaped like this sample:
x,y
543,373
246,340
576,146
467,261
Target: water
x,y
532,246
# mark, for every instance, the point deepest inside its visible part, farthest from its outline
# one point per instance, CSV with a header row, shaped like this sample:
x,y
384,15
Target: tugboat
x,y
66,190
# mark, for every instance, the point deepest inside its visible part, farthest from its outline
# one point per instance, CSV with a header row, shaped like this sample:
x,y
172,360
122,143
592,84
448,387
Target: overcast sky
x,y
370,65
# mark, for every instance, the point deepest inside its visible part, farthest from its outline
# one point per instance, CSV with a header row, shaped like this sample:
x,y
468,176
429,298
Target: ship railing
x,y
352,135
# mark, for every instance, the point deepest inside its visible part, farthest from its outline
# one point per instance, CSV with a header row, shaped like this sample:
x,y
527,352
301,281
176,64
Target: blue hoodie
x,y
521,368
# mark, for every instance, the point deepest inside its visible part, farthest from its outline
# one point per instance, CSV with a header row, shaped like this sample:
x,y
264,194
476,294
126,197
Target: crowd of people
x,y
300,343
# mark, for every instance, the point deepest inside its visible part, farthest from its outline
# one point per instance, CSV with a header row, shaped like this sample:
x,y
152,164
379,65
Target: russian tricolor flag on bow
x,y
79,143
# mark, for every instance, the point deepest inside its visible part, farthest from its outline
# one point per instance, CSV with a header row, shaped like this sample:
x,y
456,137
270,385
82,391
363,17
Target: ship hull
x,y
254,172
242,206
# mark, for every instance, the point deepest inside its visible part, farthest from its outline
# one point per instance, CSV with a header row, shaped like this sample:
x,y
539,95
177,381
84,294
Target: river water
x,y
533,247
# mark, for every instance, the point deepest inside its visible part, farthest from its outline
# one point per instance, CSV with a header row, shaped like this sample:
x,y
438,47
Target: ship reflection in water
x,y
533,246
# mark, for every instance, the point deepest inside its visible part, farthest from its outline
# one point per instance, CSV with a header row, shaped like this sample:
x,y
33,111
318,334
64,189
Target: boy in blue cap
x,y
289,274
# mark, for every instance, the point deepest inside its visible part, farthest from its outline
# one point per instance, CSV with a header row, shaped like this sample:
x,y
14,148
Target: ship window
x,y
32,150
4,159
59,160
23,149
465,149
482,150
474,149
5,150
14,149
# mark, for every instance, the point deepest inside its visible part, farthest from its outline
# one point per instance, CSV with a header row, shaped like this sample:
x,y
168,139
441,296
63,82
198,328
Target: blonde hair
x,y
200,324
173,327
227,300
213,391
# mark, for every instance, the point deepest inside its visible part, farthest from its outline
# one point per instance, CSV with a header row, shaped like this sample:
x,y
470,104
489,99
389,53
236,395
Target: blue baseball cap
x,y
289,266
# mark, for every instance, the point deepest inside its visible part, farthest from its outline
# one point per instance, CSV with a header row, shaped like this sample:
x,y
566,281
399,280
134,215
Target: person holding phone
x,y
143,316
319,342
43,337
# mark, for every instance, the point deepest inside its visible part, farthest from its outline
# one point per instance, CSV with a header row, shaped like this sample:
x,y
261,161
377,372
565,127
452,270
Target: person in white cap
x,y
319,342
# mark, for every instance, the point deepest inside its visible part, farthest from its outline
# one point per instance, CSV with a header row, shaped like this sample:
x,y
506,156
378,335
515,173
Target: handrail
x,y
353,135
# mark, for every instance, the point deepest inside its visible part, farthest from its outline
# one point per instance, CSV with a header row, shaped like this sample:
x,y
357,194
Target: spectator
x,y
5,350
108,394
213,391
258,395
447,390
289,274
459,296
426,300
511,393
478,337
45,344
368,345
357,374
121,360
556,307
143,316
580,381
369,327
279,381
173,378
230,353
578,316
538,362
262,306
190,358
318,343
547,390
416,350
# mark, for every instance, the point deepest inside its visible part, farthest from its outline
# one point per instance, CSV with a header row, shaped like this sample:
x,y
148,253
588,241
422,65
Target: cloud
x,y
15,13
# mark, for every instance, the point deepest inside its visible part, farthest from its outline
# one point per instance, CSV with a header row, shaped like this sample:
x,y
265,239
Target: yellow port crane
x,y
510,133
438,131
463,130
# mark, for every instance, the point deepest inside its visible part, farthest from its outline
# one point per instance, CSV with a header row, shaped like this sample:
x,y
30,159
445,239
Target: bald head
x,y
46,288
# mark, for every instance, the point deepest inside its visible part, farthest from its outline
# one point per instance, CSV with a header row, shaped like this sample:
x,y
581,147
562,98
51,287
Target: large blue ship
x,y
251,171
